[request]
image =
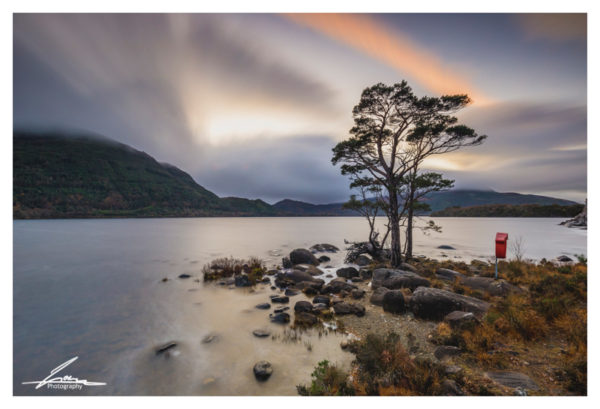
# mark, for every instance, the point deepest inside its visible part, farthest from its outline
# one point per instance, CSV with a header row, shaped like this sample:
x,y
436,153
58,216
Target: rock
x,y
461,320
273,287
408,267
184,275
489,285
447,274
323,259
395,279
280,317
320,307
290,292
363,260
324,248
377,297
451,388
365,273
263,306
272,272
310,287
347,272
357,294
303,306
242,280
356,280
445,247
210,338
303,256
512,379
444,351
165,347
281,309
433,303
344,308
286,262
564,259
314,271
452,369
295,276
262,370
338,285
261,333
322,299
164,280
280,299
266,280
393,301
305,319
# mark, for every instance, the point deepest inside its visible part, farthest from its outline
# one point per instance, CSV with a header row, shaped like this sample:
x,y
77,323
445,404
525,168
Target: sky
x,y
251,105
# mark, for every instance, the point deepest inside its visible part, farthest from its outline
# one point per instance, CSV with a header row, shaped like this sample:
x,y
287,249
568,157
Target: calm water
x,y
92,289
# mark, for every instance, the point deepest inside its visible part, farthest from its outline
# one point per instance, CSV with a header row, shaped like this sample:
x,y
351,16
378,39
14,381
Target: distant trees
x,y
394,132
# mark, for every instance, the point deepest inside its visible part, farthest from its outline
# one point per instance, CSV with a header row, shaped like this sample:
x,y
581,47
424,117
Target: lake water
x,y
92,289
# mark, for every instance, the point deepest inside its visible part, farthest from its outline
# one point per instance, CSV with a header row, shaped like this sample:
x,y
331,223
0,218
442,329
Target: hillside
x,y
82,176
527,210
298,208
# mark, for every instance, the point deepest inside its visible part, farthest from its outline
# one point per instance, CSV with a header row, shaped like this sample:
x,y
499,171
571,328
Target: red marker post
x,y
501,239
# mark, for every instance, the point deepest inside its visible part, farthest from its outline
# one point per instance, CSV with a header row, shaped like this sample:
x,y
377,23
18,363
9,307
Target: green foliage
x,y
82,176
506,210
327,380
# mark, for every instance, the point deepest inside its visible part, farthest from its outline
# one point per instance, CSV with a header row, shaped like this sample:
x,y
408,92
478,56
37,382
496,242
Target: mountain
x,y
504,210
69,176
296,208
56,176
462,198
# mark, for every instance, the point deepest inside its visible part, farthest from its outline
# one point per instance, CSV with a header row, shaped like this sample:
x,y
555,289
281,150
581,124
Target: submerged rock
x,y
305,319
261,333
324,248
303,256
262,370
303,306
242,280
445,247
280,318
338,285
210,338
324,259
263,306
280,299
184,275
165,347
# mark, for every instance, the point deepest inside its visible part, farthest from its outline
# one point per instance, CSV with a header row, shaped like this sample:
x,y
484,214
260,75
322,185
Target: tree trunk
x,y
396,256
409,222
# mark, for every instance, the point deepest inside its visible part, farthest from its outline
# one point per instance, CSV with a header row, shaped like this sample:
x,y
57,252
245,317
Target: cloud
x,y
172,73
366,34
557,27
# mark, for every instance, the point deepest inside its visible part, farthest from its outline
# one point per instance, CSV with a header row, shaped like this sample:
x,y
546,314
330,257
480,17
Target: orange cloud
x,y
367,35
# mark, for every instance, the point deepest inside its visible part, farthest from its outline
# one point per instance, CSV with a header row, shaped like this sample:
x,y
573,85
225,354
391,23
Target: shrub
x,y
327,380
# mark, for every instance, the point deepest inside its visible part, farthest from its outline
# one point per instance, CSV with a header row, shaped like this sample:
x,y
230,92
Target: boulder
x,y
433,303
280,299
322,299
263,306
395,279
295,276
337,285
461,319
303,306
408,267
290,292
363,260
324,248
512,379
303,256
184,275
357,294
305,319
490,285
365,273
377,297
347,272
261,333
324,259
393,301
444,351
356,280
280,317
447,274
262,370
344,308
564,259
320,307
445,247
